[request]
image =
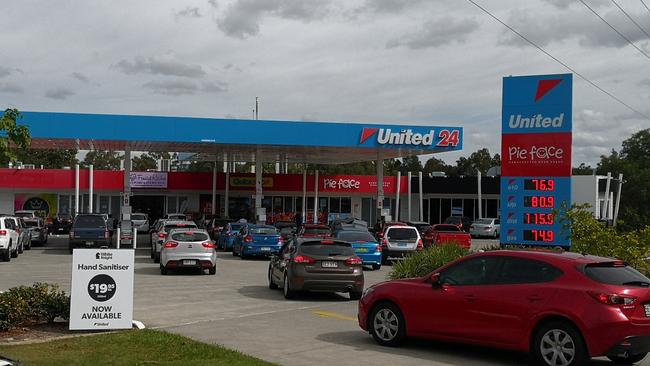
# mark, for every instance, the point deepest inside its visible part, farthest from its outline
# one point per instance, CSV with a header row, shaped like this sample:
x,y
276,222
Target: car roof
x,y
315,226
261,226
194,230
549,255
304,240
176,222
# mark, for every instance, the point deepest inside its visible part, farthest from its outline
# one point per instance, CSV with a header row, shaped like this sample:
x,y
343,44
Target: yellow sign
x,y
249,182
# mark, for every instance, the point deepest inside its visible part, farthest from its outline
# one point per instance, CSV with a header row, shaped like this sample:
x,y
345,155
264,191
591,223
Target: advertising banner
x,y
148,179
536,163
102,289
45,204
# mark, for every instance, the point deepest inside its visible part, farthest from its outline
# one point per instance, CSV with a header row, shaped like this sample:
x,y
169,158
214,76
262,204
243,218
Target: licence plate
x,y
329,264
362,250
401,244
188,262
646,307
265,249
89,243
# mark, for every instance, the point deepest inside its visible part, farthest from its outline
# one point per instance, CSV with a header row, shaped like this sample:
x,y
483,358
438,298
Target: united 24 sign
x,y
427,138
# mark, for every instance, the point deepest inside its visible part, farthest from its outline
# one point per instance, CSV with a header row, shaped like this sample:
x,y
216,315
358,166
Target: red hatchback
x,y
563,308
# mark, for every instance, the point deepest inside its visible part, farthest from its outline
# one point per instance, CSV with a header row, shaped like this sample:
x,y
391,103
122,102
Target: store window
x,y
322,204
182,204
278,203
288,204
64,205
335,204
346,205
310,203
104,203
171,204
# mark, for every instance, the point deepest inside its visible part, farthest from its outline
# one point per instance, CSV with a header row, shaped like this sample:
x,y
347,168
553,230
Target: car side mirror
x,y
435,280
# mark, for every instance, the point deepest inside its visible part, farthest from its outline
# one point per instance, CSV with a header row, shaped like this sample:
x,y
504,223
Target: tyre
x,y
6,256
496,234
387,325
376,267
213,270
558,343
355,295
45,241
156,258
384,259
70,248
286,289
151,254
21,248
629,360
163,270
14,254
272,284
29,245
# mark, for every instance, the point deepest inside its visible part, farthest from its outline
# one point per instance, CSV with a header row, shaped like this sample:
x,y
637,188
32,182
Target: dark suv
x,y
89,230
462,222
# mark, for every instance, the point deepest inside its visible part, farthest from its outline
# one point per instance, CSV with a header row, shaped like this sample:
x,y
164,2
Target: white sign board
x,y
102,289
148,179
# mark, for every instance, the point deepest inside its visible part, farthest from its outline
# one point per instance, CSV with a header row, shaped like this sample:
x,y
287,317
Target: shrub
x,y
425,261
32,304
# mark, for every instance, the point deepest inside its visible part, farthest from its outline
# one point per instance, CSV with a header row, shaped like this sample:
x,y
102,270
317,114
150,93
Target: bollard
x,y
117,241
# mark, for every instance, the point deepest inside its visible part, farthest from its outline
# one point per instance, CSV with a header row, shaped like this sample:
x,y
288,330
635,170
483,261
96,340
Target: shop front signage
x,y
102,289
148,179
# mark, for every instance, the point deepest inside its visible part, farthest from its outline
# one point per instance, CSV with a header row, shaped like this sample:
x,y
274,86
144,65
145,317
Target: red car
x,y
447,233
315,231
563,308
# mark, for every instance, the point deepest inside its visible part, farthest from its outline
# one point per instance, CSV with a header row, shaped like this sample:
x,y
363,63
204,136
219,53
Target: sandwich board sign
x,y
102,289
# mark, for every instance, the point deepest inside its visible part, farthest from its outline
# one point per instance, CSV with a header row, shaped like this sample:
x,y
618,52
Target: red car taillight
x,y
281,240
106,234
71,234
170,244
420,244
303,259
353,261
208,245
379,248
384,242
613,299
162,235
248,239
3,232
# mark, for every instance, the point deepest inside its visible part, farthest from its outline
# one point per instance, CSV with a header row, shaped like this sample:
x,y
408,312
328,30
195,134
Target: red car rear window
x,y
613,273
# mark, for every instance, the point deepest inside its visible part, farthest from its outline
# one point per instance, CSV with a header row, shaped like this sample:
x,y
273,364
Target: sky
x,y
422,62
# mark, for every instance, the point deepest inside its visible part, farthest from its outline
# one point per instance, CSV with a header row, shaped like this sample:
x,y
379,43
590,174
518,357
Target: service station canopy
x,y
239,140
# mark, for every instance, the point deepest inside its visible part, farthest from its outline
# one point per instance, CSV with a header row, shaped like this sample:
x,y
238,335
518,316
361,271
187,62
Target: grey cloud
x,y
172,87
228,66
563,4
643,82
160,66
242,18
81,77
188,12
436,33
387,6
213,3
214,87
59,93
6,71
577,23
10,88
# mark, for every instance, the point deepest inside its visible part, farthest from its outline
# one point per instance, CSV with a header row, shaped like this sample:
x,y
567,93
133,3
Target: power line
x,y
646,6
560,62
614,29
630,18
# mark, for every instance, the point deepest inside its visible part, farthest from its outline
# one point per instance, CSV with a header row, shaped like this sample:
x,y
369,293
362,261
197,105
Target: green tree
x,y
478,160
435,165
143,163
583,169
102,160
634,162
12,134
410,164
49,158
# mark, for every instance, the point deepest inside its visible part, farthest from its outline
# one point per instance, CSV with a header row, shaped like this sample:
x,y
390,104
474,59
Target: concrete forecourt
x,y
236,309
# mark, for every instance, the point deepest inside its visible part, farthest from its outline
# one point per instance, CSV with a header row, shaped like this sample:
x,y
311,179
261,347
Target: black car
x,y
462,222
287,229
61,224
89,231
215,225
422,226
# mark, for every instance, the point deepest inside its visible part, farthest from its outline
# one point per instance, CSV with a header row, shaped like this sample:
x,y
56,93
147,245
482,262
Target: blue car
x,y
364,244
257,240
228,235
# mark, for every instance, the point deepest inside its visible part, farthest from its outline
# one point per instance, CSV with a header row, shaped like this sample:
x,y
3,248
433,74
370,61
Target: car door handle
x,y
534,298
470,298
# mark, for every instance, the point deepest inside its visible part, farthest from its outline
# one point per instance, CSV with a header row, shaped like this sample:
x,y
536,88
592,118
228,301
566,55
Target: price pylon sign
x,y
102,289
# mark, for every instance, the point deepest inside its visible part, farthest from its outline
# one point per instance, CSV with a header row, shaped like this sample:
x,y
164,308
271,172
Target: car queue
x,y
18,232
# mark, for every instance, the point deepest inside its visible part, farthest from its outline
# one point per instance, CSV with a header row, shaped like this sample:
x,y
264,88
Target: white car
x,y
160,236
191,248
485,227
24,237
141,222
9,239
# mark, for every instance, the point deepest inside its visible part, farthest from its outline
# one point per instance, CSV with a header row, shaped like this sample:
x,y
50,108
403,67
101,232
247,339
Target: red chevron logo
x,y
366,133
545,86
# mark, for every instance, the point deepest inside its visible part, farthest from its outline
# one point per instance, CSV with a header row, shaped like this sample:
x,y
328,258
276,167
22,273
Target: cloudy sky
x,y
386,61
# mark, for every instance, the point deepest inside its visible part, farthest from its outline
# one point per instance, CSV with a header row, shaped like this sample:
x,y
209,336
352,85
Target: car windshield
x,y
422,227
616,273
355,236
24,214
281,225
317,248
484,222
446,228
89,222
264,231
189,236
317,231
235,227
402,233
31,223
138,217
179,226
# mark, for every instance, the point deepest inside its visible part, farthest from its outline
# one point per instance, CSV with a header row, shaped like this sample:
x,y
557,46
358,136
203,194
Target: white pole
x,y
76,190
480,195
316,198
606,202
380,186
398,188
421,196
226,194
618,198
135,237
117,240
304,194
409,196
213,209
91,174
258,185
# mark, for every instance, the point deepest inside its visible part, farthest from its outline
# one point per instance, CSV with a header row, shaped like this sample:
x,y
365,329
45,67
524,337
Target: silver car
x,y
400,241
485,227
159,237
188,248
141,222
37,230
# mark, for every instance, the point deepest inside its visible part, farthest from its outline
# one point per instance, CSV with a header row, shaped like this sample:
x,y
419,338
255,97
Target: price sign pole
x,y
536,164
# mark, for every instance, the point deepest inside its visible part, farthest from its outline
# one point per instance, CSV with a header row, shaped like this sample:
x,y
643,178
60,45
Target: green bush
x,y
38,303
425,261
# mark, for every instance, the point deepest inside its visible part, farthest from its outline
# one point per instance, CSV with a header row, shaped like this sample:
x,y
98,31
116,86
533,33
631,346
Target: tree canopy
x,y
102,160
12,134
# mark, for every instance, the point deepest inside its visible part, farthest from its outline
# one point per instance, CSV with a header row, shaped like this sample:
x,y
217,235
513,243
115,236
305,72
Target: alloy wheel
x,y
557,348
386,324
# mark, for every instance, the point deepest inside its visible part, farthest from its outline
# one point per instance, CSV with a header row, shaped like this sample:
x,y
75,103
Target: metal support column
x,y
226,194
480,195
618,199
316,208
213,208
398,188
380,187
127,228
304,194
421,196
91,174
76,189
605,211
258,189
409,196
